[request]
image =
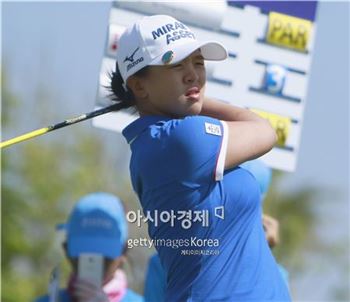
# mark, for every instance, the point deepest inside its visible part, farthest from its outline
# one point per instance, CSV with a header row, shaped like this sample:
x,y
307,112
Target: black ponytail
x,y
124,98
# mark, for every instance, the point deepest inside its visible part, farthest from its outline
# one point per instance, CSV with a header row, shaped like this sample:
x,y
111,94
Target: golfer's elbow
x,y
269,134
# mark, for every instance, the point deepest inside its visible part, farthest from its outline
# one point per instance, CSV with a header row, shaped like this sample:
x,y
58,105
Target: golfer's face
x,y
177,90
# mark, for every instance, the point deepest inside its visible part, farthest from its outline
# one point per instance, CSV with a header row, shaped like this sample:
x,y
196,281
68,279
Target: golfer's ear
x,y
138,87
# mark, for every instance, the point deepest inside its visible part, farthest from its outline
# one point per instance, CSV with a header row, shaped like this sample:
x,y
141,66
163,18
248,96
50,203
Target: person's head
x,y
160,67
262,174
97,225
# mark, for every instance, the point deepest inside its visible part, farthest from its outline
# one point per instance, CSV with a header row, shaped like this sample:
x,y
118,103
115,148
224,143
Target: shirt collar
x,y
131,131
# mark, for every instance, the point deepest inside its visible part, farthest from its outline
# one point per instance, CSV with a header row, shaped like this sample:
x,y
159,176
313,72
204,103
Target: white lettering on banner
x,y
213,129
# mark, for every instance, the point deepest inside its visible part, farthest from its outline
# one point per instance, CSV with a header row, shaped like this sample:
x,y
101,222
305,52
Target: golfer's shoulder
x,y
192,128
181,135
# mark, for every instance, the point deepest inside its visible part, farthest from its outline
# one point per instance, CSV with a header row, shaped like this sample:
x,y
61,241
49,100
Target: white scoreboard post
x,y
267,69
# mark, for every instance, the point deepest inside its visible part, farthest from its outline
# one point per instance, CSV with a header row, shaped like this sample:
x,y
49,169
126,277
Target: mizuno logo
x,y
131,65
131,58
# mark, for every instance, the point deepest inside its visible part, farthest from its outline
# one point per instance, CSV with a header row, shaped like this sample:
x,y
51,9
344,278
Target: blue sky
x,y
60,45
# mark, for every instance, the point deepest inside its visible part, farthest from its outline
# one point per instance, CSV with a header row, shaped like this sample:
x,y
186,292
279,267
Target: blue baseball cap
x,y
97,224
261,172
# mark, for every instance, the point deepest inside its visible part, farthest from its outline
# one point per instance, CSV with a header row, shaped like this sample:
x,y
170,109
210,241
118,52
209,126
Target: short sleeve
x,y
198,146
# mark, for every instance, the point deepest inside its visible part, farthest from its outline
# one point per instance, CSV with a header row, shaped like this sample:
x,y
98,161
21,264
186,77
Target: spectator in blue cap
x,y
97,225
261,172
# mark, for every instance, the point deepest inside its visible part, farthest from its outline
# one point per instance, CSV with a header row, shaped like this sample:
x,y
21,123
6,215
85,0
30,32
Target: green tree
x,y
299,219
296,216
41,180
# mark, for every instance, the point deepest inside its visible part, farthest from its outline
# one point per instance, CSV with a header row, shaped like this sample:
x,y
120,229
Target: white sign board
x,y
267,69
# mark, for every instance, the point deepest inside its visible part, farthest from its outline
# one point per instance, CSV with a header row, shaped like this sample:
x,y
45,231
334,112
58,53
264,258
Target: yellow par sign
x,y
288,31
281,124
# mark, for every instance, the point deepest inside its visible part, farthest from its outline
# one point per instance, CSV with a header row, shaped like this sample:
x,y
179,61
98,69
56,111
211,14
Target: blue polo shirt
x,y
177,167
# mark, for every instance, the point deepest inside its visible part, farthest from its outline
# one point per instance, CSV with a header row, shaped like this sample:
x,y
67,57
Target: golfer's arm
x,y
249,135
226,112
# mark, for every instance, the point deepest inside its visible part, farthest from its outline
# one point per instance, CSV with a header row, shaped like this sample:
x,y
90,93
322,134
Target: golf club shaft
x,y
65,123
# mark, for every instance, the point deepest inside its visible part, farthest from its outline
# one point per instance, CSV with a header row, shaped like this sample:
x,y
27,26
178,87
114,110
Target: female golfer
x,y
204,211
